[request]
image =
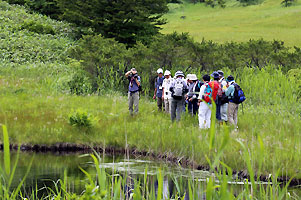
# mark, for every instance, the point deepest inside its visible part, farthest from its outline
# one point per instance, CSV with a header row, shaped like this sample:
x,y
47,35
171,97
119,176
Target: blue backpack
x,y
239,95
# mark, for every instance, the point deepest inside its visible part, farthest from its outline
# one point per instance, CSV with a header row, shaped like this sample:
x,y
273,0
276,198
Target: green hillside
x,y
269,20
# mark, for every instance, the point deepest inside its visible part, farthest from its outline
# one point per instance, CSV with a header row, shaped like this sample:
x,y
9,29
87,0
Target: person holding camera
x,y
134,88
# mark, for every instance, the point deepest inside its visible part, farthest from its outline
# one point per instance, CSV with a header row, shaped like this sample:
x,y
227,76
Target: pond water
x,y
48,168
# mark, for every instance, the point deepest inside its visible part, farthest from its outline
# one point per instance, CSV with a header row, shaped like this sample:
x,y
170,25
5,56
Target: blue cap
x,y
215,75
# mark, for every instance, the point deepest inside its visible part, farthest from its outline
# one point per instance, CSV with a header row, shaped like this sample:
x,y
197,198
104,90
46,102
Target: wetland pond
x,y
48,168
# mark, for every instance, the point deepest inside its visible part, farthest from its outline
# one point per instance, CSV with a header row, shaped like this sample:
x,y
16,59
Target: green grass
x,y
268,20
38,114
21,46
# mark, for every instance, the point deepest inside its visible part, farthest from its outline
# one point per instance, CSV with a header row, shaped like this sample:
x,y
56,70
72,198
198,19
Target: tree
x,y
287,3
128,21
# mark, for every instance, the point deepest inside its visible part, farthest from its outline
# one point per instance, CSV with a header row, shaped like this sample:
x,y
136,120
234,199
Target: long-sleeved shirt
x,y
230,91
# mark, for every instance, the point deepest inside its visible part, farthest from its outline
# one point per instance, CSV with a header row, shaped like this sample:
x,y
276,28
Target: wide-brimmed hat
x,y
179,73
193,77
133,70
160,71
188,76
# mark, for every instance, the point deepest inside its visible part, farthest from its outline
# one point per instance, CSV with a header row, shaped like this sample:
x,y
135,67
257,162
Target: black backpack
x,y
239,95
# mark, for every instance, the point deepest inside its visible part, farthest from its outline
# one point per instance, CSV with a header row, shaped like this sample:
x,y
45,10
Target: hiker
x,y
178,89
189,94
134,88
205,103
218,92
166,94
223,98
159,89
232,107
192,95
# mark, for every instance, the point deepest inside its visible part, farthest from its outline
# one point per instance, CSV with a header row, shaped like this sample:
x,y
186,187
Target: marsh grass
x,y
39,115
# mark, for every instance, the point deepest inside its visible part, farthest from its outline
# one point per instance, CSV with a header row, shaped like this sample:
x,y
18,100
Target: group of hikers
x,y
174,93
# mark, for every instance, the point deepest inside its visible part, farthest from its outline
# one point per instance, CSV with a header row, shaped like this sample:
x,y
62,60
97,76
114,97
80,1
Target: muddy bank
x,y
67,148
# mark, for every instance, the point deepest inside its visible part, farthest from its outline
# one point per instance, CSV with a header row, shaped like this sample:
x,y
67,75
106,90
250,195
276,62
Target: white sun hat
x,y
193,77
160,71
166,73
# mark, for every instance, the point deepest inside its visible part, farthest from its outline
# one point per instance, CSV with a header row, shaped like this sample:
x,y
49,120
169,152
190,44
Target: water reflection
x,y
48,169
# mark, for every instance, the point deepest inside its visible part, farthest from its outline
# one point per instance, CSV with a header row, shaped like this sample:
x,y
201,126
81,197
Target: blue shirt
x,y
133,87
158,85
230,91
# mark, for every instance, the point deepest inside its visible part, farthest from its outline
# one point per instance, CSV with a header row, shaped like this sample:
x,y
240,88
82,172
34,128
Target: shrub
x,y
107,60
81,118
250,2
288,3
37,27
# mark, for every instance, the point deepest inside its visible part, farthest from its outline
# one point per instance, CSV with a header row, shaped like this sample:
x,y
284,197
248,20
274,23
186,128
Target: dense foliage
x,y
127,21
175,51
288,3
31,38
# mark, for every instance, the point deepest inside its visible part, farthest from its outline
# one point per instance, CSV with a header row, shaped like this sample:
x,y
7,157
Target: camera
x,y
134,75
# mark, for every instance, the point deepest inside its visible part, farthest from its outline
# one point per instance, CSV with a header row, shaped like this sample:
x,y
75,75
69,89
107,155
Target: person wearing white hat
x,y
178,90
166,93
192,95
159,89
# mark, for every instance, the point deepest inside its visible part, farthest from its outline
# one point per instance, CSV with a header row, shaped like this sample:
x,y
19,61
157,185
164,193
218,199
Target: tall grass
x,y
7,175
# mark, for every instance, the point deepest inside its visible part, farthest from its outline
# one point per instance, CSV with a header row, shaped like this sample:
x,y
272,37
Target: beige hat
x,y
188,76
193,77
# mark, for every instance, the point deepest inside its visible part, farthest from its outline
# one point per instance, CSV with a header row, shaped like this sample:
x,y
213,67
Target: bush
x,y
81,118
250,2
39,44
288,3
107,60
37,27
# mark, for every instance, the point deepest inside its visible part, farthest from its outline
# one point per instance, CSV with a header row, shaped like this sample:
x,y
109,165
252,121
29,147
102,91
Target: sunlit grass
x,y
40,116
268,20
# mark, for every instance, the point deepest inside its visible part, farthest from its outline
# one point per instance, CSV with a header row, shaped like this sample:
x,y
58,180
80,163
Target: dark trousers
x,y
218,109
193,106
159,103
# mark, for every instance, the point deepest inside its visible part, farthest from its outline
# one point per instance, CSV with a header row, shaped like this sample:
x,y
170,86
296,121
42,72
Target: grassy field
x,y
36,113
268,20
36,106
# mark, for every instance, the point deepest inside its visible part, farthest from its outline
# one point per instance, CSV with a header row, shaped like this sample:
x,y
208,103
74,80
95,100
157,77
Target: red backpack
x,y
215,88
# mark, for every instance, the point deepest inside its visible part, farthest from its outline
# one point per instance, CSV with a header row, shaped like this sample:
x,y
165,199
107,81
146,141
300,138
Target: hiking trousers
x,y
224,112
167,103
133,102
232,114
204,115
218,109
176,109
159,103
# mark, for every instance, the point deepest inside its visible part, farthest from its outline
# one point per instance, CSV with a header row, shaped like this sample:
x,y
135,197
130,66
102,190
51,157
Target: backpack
x,y
178,90
215,88
220,91
239,95
207,94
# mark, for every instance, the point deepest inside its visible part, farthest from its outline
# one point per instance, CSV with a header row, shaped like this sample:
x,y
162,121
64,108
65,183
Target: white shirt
x,y
202,90
166,85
